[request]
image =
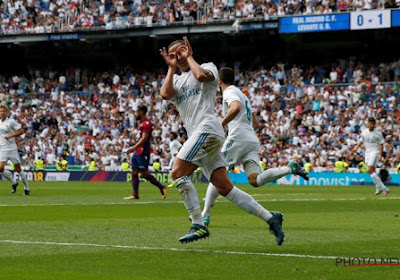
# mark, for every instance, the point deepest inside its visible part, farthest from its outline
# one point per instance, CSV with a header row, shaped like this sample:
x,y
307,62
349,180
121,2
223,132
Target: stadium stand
x,y
44,16
306,111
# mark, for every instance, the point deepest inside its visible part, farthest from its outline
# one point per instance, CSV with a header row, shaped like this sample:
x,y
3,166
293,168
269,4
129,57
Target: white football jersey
x,y
195,102
372,140
241,127
174,147
7,127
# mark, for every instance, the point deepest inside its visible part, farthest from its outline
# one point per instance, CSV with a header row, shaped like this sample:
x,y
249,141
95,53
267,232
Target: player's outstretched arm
x,y
201,74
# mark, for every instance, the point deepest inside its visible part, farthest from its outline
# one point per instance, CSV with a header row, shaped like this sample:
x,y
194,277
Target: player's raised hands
x,y
187,50
170,59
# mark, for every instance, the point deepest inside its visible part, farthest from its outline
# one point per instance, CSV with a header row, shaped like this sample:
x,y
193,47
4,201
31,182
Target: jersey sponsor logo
x,y
5,129
187,93
372,139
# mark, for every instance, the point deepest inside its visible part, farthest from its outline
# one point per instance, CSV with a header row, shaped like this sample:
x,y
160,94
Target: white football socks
x,y
8,175
189,196
211,196
378,182
247,203
272,174
24,180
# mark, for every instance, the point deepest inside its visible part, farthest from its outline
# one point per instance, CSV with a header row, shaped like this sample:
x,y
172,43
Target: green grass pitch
x,y
84,230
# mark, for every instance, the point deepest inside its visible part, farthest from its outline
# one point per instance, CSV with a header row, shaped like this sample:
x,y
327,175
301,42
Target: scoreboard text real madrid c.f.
x,y
362,20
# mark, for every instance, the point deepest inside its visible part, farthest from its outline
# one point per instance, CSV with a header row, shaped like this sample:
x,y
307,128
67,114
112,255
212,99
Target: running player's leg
x,y
24,180
146,175
135,179
171,163
15,158
371,161
7,174
248,154
257,178
211,196
244,201
180,175
232,151
224,186
189,158
4,156
200,147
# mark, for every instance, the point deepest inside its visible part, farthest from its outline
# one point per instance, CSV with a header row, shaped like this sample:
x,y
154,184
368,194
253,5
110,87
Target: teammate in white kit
x,y
174,147
373,141
194,93
9,129
242,144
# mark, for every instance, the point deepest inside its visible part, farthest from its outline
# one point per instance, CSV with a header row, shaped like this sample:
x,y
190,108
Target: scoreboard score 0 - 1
x,y
370,19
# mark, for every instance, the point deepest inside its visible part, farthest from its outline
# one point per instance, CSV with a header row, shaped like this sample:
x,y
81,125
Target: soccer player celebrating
x,y
373,141
141,156
194,92
9,129
242,144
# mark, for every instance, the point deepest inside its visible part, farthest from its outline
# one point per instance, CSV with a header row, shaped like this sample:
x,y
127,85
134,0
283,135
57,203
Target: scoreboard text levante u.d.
x,y
362,20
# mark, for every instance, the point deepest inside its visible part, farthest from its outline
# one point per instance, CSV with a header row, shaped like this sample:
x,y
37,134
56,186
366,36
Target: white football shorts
x,y
12,155
204,149
371,159
240,151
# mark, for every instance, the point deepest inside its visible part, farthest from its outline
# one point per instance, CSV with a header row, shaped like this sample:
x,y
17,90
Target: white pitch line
x,y
167,249
219,201
83,204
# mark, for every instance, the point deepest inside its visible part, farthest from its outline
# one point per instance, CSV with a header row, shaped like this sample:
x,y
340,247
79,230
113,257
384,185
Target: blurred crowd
x,y
46,16
313,113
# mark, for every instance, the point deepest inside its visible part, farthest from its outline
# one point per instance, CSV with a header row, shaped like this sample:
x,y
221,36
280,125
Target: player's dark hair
x,y
180,42
371,119
175,134
227,76
143,109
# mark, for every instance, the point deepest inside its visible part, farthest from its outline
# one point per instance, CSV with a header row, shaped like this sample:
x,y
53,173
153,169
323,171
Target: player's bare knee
x,y
175,174
224,189
221,181
178,173
252,170
371,169
253,180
